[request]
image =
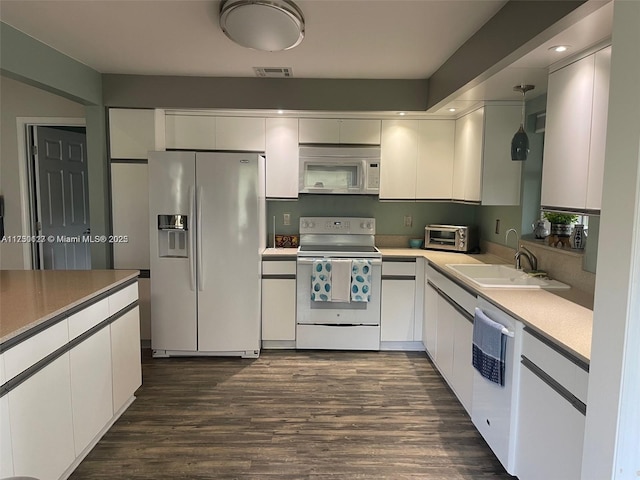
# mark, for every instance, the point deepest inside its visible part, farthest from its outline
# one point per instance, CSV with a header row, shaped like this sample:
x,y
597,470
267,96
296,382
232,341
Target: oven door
x,y
312,312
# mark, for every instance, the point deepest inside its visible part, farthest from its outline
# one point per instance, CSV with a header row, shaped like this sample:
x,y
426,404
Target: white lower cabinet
x,y
444,341
51,418
41,422
6,455
430,319
462,374
91,386
397,310
551,433
278,303
125,357
449,330
551,414
401,305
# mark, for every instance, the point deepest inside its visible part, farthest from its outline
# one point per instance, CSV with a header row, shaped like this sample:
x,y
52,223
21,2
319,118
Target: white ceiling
x,y
397,39
374,39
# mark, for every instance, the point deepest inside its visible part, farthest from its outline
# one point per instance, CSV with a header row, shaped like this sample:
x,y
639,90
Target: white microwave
x,y
340,169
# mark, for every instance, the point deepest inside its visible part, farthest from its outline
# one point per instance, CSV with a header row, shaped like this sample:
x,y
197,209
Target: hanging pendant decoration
x,y
520,141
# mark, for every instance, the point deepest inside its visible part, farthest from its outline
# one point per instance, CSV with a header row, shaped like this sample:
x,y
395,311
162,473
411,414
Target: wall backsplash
x,y
389,215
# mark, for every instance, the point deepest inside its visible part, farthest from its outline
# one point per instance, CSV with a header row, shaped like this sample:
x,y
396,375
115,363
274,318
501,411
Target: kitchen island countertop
x,y
31,297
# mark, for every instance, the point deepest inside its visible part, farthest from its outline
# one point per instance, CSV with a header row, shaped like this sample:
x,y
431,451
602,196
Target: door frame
x,y
24,158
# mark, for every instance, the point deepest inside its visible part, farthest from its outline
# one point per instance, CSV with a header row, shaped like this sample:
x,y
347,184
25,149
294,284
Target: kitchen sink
x,y
504,276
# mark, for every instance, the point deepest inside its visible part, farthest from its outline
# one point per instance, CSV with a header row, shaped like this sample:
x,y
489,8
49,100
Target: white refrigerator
x,y
207,233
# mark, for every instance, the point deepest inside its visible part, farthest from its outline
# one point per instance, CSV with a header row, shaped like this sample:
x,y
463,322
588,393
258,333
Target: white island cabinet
x,y
577,102
58,373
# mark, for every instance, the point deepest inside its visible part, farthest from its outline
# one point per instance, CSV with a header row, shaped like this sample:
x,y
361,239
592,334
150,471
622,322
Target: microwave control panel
x,y
373,175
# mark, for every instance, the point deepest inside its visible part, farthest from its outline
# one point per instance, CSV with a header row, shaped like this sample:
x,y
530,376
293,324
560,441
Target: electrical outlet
x,y
497,231
286,219
408,221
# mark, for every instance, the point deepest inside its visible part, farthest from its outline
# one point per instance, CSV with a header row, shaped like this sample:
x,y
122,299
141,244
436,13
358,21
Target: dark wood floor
x,y
293,415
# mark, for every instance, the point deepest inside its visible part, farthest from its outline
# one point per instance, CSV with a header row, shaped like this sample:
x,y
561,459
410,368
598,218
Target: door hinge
x,y
34,150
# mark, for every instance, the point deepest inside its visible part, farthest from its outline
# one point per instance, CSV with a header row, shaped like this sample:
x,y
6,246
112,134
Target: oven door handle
x,y
310,260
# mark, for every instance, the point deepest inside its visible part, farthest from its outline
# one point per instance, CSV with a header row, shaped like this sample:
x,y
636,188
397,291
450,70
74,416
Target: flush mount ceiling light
x,y
268,25
520,141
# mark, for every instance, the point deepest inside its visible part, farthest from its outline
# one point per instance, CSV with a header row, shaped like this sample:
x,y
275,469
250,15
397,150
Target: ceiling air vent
x,y
273,72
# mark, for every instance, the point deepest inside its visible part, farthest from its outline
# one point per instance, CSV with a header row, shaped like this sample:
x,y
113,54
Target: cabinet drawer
x,y
122,298
279,267
458,294
399,268
571,376
34,349
87,318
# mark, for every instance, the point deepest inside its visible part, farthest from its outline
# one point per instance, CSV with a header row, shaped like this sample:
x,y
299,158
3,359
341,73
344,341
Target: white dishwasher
x,y
494,407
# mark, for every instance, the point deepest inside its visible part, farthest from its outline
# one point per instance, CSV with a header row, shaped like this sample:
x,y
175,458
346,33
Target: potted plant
x,y
560,223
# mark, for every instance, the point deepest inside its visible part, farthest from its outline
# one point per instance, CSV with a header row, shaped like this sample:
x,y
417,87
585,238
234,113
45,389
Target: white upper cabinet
x,y
332,130
598,128
131,132
188,132
434,169
483,170
365,132
501,176
577,100
399,158
240,133
467,165
417,159
282,157
204,132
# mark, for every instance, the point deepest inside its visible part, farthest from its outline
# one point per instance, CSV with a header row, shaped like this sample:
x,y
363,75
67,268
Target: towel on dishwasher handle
x,y
489,348
321,280
361,280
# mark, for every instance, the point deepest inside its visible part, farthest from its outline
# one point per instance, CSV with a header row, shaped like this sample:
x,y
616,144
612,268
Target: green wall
x,y
26,59
389,215
31,62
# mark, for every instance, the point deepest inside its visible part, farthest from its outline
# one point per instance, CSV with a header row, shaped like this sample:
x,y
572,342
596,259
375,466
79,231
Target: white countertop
x,y
562,316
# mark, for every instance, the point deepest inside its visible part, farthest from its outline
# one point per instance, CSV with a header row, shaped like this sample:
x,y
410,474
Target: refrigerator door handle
x,y
191,233
199,241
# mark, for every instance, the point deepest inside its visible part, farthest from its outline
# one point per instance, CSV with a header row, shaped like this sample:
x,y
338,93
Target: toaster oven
x,y
455,238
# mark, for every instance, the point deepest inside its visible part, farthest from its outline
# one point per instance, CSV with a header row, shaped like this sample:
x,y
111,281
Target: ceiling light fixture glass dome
x,y
267,25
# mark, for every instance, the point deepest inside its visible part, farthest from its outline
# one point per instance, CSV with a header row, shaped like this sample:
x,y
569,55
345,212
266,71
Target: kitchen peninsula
x,y
69,364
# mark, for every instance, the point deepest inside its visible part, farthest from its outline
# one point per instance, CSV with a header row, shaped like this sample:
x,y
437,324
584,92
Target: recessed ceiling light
x,y
280,112
402,113
452,109
559,48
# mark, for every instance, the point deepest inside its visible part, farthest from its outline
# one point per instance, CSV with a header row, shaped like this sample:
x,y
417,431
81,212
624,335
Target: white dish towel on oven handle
x,y
341,280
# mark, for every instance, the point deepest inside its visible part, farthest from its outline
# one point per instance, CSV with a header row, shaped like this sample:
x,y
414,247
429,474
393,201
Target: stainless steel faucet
x,y
526,253
506,236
